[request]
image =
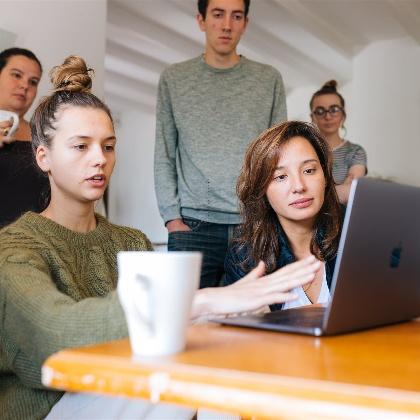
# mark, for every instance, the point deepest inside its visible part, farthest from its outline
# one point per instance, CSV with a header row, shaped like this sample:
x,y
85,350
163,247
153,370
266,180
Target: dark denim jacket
x,y
235,257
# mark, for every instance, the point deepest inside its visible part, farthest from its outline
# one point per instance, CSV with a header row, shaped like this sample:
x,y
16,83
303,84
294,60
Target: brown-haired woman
x,y
289,208
328,112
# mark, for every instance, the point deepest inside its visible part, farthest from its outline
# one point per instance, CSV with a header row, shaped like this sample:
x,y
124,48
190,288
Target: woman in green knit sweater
x,y
58,269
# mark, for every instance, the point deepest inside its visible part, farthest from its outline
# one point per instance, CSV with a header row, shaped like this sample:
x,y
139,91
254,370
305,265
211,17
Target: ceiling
x,y
309,41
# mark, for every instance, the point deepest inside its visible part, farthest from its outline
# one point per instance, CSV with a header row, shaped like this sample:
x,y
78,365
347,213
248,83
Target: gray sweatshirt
x,y
206,118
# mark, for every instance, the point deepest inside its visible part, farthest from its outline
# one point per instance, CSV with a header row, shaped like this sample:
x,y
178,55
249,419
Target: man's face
x,y
224,25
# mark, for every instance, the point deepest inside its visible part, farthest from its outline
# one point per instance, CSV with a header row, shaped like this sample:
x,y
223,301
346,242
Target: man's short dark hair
x,y
5,55
203,4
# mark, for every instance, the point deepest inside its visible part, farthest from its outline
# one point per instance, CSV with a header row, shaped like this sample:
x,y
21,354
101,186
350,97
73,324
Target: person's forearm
x,y
343,192
166,141
279,112
198,304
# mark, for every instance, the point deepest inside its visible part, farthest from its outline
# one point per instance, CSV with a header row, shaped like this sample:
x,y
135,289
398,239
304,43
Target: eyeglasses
x,y
334,111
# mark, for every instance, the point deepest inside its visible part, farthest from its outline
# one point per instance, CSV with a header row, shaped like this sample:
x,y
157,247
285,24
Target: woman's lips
x,y
20,97
97,180
302,203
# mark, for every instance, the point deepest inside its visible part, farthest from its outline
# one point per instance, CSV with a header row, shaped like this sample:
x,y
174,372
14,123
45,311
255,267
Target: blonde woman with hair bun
x,y
58,270
328,112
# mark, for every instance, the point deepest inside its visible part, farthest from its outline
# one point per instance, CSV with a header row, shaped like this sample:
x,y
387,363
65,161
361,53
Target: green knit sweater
x,y
56,291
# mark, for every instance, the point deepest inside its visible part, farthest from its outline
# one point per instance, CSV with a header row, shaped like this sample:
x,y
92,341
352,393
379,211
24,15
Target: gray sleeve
x,y
37,320
166,180
358,156
279,112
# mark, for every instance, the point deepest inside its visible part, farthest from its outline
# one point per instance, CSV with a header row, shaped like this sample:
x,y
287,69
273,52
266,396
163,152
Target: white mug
x,y
7,116
156,290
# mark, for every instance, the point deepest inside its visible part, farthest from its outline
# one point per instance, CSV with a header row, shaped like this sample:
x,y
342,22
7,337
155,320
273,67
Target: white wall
x,y
6,39
57,28
132,200
386,91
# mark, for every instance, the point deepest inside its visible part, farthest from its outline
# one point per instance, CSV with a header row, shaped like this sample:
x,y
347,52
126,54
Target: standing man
x,y
209,108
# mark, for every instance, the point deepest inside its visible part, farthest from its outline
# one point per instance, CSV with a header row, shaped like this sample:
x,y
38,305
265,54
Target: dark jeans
x,y
212,240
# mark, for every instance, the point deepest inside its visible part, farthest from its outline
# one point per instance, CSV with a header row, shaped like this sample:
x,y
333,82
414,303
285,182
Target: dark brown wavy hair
x,y
258,232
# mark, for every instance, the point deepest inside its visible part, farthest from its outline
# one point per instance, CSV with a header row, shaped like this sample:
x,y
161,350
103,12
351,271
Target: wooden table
x,y
374,373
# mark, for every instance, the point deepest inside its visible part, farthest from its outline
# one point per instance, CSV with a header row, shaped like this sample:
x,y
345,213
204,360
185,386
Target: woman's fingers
x,y
5,127
284,279
290,283
308,265
256,290
256,273
292,275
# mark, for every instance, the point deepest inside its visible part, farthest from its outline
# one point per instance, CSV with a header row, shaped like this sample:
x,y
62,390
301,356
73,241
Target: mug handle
x,y
13,128
144,283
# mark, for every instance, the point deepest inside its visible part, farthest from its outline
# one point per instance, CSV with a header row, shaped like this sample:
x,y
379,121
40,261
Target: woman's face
x,y
81,158
330,122
296,192
19,80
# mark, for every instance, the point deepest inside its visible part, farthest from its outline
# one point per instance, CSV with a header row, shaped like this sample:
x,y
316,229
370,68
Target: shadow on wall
x,y
7,39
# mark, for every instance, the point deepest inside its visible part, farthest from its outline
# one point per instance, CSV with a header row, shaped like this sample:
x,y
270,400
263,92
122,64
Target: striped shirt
x,y
346,156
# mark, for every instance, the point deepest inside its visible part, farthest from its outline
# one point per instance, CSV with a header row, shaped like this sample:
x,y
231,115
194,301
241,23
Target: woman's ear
x,y
42,157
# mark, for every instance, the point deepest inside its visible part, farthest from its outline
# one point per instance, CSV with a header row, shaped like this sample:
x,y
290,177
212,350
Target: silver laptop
x,y
376,279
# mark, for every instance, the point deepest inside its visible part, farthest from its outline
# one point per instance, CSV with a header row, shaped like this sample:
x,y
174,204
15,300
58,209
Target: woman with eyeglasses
x,y
349,159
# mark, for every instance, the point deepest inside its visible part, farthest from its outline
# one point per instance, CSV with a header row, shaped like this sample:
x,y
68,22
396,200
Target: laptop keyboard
x,y
310,317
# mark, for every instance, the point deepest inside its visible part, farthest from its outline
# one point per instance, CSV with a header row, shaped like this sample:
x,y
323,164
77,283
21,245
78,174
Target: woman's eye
x,y
109,147
309,171
80,146
34,82
16,75
280,177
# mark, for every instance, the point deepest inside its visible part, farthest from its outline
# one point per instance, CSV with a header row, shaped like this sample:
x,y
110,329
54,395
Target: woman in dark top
x,y
289,208
22,186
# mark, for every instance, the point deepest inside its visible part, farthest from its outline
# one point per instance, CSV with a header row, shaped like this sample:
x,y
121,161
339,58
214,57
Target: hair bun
x,y
331,84
73,75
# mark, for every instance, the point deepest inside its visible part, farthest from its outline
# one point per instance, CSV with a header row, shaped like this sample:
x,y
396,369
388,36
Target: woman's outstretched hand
x,y
255,290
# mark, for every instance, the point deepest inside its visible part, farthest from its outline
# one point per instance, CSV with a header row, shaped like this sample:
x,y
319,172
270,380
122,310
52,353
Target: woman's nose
x,y
328,115
23,83
298,184
99,158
